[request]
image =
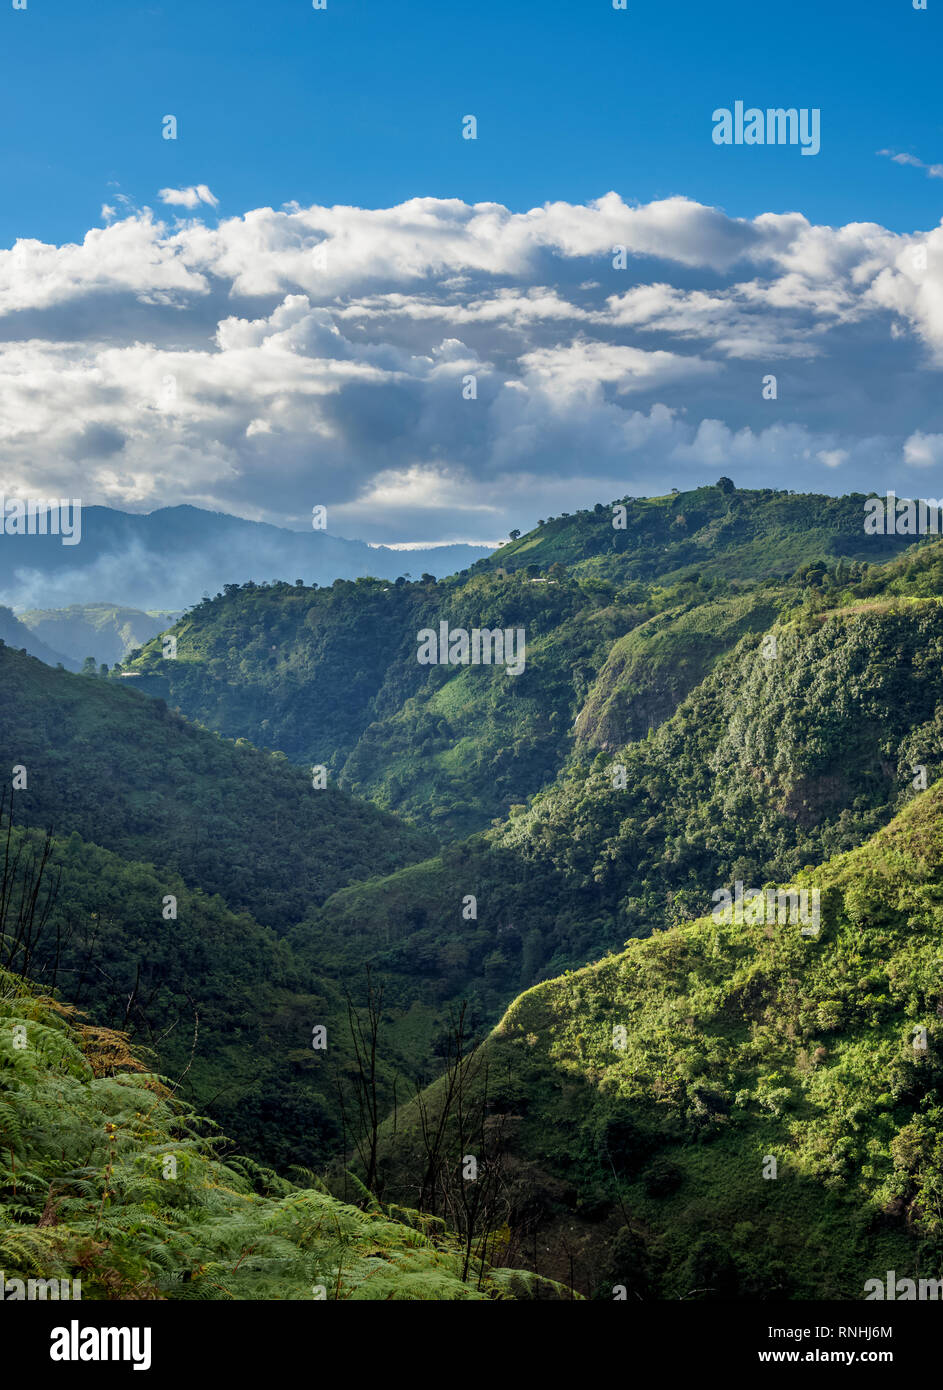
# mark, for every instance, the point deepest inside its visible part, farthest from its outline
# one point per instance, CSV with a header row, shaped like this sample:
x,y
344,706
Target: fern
x,y
86,1190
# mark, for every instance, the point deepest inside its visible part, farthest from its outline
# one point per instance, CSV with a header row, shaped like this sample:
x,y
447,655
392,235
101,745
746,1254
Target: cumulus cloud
x,y
190,197
583,369
924,450
436,369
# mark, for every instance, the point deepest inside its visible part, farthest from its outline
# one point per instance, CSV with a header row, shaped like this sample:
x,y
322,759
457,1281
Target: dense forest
x,y
329,675
636,1103
375,919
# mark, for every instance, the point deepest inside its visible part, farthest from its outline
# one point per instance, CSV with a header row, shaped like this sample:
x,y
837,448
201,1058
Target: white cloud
x,y
933,171
924,450
190,197
833,458
306,355
582,369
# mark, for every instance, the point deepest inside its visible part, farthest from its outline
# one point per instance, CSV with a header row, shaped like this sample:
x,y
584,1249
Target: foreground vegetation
x,y
107,1178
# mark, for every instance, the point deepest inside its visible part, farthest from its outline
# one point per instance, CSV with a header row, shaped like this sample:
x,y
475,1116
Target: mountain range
x,y
375,918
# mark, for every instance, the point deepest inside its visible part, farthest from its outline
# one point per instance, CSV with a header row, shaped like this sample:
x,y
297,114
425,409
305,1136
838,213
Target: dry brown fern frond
x,y
107,1051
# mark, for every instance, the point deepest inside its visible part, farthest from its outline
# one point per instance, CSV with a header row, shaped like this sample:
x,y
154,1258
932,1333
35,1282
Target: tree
x,y
28,892
514,535
364,1035
89,666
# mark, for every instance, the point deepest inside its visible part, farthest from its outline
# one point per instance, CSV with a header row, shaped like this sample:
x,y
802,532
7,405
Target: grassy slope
x,y
650,670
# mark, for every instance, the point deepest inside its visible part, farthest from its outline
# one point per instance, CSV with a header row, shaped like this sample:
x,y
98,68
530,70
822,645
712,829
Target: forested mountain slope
x,y
731,1110
766,765
331,677
619,624
182,860
769,764
220,1001
127,773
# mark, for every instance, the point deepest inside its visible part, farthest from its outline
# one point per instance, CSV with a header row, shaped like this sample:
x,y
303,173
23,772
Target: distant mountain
x,y
13,633
106,631
168,558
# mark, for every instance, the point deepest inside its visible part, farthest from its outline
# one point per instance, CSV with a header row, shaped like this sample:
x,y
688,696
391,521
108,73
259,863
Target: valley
x,y
500,914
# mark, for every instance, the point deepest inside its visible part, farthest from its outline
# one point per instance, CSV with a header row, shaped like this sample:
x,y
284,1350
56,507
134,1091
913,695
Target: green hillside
x,y
619,624
671,734
721,531
127,773
643,1097
331,677
183,860
767,765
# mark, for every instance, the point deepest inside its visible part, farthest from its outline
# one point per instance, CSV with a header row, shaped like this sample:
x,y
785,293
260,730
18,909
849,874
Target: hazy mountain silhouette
x,y
168,558
13,633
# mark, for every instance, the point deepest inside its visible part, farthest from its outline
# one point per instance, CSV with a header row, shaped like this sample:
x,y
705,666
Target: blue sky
x,y
361,103
320,294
